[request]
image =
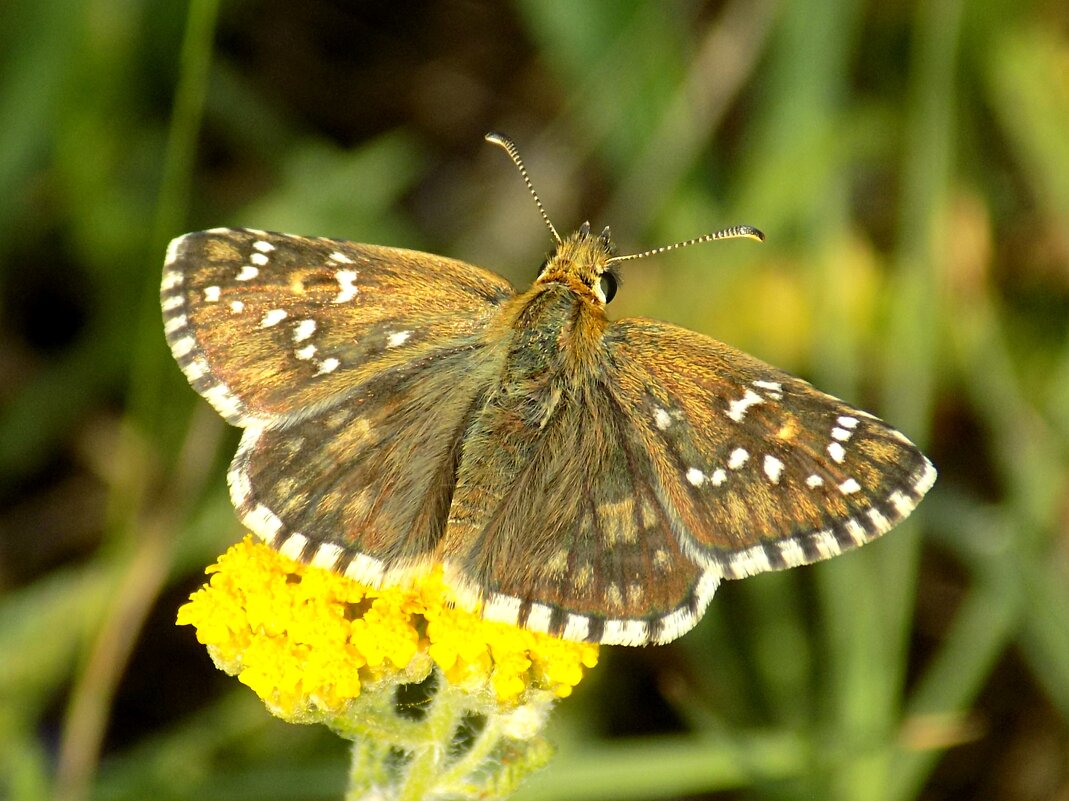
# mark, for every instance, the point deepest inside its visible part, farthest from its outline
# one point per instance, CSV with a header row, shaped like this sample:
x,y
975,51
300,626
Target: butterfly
x,y
594,480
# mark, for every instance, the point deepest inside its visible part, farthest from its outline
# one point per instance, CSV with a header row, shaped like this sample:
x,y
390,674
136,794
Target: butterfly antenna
x,y
734,232
504,142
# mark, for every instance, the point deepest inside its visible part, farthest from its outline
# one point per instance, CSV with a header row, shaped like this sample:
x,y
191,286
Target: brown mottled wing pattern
x,y
339,360
619,498
760,470
561,529
364,487
271,326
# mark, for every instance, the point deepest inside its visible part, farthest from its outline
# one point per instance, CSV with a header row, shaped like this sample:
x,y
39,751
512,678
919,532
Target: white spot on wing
x,y
347,285
738,458
674,624
849,487
718,477
211,294
847,422
773,468
397,338
902,504
293,546
625,632
539,618
927,479
273,317
237,306
247,272
814,481
827,544
175,324
340,257
791,553
225,402
263,522
837,452
183,347
305,353
661,418
172,249
857,531
303,330
259,259
240,486
328,365
327,554
366,569
502,608
737,408
171,279
196,369
265,247
576,628
773,388
695,476
751,561
878,520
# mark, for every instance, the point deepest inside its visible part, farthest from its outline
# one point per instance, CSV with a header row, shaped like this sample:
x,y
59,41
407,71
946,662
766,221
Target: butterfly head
x,y
583,262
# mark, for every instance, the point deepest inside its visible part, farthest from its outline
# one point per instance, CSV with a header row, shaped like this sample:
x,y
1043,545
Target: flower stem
x,y
459,747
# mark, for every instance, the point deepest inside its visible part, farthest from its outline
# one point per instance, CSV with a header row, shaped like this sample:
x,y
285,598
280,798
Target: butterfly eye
x,y
608,285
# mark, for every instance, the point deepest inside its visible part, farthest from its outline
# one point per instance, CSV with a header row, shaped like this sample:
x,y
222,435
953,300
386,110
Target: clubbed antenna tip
x,y
506,144
734,232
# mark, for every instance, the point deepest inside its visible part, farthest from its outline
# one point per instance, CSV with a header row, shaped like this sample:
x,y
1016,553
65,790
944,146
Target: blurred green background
x,y
909,163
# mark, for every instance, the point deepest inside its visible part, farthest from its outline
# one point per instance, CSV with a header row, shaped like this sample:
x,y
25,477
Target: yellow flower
x,y
437,701
307,641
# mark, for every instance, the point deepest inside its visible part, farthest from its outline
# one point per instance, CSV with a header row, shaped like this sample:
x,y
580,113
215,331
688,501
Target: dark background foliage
x,y
910,165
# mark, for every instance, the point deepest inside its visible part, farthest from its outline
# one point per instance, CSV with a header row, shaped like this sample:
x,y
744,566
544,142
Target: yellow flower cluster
x,y
304,638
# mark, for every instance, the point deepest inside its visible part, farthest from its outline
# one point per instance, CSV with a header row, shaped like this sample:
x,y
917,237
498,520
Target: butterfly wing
x,y
760,470
340,361
272,327
557,524
616,500
364,488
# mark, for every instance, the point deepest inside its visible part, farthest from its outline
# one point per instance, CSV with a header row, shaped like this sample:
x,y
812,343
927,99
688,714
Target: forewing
x,y
759,470
560,528
353,369
272,328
